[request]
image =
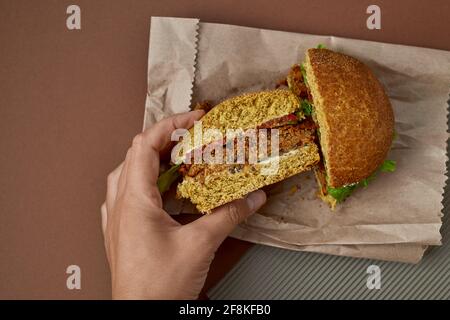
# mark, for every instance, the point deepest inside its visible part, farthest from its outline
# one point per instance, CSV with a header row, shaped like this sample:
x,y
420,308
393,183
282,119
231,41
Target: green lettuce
x,y
340,194
306,107
302,69
321,46
168,177
388,166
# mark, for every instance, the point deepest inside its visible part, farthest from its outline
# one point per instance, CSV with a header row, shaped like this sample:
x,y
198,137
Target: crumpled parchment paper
x,y
398,215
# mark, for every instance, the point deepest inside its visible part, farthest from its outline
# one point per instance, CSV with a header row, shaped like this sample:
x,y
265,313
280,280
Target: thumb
x,y
217,225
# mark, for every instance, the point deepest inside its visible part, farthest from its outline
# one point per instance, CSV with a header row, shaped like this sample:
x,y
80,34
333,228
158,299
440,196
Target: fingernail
x,y
256,199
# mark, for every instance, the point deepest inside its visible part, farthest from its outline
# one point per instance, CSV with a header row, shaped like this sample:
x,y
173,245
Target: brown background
x,y
70,102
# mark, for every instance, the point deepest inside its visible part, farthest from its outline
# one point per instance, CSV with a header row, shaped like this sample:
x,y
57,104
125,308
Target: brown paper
x,y
398,214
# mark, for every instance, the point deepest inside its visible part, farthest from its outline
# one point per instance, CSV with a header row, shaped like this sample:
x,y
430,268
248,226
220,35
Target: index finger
x,y
144,162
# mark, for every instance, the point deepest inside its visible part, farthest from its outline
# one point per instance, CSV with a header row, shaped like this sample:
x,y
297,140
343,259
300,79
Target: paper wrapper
x,y
398,215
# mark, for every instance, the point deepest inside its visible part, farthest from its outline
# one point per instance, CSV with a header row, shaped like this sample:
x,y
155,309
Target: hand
x,y
151,256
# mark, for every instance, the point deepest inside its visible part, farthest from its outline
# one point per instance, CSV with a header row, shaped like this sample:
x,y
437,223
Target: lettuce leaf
x,y
168,177
306,107
340,194
321,46
388,166
302,69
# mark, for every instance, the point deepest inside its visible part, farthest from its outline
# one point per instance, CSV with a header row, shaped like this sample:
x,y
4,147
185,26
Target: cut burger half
x,y
211,185
355,120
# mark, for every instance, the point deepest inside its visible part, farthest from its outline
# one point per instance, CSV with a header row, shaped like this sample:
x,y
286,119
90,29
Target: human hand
x,y
151,256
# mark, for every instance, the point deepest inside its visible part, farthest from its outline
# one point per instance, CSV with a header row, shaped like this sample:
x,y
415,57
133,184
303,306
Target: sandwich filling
x,y
294,131
297,82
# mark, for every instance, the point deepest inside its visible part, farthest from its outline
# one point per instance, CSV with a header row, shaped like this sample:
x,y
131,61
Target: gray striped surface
x,y
272,273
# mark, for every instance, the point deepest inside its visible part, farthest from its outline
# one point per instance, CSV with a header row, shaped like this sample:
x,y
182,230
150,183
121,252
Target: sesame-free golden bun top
x,y
355,117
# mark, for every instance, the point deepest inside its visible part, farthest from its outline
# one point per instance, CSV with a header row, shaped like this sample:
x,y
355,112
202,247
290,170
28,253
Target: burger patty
x,y
296,83
290,137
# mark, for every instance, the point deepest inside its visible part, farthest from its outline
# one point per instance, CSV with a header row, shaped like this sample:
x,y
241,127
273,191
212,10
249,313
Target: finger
x,y
104,213
111,187
123,174
159,136
218,225
138,176
144,169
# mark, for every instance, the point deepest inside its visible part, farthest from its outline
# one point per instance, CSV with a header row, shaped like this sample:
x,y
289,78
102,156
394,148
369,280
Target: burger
x,y
330,115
